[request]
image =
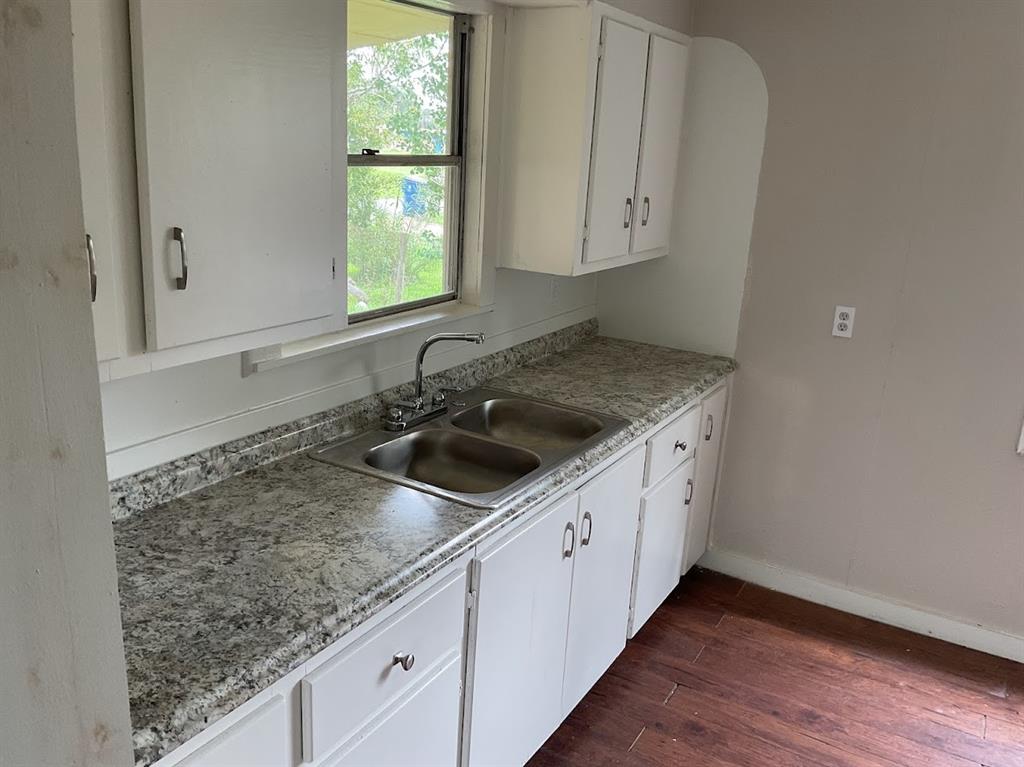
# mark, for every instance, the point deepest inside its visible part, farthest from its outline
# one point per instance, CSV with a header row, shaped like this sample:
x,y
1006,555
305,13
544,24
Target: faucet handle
x,y
441,395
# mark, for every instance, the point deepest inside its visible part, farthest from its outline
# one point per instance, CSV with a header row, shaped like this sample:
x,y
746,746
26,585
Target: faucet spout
x,y
476,338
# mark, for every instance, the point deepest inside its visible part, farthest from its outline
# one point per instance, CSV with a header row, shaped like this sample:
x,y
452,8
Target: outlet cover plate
x,y
842,322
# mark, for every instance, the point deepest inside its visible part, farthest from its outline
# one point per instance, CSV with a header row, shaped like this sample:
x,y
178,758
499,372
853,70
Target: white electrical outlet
x,y
842,323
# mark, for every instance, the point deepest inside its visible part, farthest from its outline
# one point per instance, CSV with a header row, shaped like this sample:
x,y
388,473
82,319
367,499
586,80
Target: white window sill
x,y
269,357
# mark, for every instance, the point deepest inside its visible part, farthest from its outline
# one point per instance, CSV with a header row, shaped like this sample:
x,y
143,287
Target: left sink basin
x,y
453,461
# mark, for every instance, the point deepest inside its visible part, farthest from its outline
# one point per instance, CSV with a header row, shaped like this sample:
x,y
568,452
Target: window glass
x,y
402,216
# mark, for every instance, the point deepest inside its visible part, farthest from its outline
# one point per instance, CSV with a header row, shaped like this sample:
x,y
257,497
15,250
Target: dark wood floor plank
x,y
961,665
938,683
729,674
773,730
813,680
843,721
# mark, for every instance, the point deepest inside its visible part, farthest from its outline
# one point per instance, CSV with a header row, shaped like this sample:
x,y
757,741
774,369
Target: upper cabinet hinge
x,y
334,268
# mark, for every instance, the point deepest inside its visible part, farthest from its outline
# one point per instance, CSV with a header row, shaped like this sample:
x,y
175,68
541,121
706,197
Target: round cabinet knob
x,y
679,446
404,659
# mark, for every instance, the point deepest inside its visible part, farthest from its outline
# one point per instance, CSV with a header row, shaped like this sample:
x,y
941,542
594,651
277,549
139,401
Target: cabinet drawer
x,y
672,446
422,732
347,691
259,739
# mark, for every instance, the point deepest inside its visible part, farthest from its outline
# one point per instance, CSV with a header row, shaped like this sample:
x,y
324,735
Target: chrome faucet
x,y
409,413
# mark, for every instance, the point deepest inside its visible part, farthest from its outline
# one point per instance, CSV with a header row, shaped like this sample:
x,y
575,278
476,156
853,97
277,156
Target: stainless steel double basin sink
x,y
489,446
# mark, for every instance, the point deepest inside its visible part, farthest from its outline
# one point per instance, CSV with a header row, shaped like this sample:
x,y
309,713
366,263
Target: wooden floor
x,y
728,673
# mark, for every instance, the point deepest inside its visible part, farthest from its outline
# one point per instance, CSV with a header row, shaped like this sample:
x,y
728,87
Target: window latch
x,y
370,152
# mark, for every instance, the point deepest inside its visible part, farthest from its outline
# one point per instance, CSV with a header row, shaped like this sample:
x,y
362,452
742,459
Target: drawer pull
x,y
711,427
568,550
585,537
689,492
404,659
680,446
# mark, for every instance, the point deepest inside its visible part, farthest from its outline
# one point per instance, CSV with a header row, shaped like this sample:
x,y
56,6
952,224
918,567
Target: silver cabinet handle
x,y
689,492
91,250
646,211
179,236
568,550
585,537
711,426
680,446
404,659
628,216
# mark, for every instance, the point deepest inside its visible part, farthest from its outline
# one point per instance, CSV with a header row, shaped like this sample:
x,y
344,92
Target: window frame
x,y
454,159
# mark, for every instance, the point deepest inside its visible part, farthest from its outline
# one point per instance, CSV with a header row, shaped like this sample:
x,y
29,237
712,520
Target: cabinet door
x,y
618,114
93,160
708,451
602,575
422,732
240,140
519,658
659,152
663,519
258,740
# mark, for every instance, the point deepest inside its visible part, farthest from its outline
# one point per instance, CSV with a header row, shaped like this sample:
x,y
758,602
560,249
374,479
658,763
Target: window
x,y
406,68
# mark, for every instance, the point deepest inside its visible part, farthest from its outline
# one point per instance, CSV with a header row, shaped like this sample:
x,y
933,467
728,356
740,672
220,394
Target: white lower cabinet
x,y
709,448
602,576
663,519
422,732
523,594
258,740
553,609
358,689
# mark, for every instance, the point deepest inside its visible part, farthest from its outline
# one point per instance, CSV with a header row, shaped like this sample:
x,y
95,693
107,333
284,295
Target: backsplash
x,y
159,484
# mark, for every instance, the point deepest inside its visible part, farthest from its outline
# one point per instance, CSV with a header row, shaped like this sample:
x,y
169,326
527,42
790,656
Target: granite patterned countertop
x,y
227,589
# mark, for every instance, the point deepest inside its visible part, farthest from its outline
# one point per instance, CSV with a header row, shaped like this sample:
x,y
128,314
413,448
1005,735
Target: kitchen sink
x,y
528,423
488,446
453,461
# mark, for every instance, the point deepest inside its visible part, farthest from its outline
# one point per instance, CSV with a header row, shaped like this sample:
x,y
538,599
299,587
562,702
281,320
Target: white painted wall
x,y
691,298
65,694
893,180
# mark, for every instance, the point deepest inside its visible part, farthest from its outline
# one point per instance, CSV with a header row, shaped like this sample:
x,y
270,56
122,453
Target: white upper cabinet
x,y
593,124
240,137
94,162
659,150
617,121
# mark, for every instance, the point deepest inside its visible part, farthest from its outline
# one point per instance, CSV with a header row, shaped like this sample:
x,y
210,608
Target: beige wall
x,y
893,180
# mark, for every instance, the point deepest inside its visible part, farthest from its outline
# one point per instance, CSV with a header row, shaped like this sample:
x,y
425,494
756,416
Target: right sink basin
x,y
527,423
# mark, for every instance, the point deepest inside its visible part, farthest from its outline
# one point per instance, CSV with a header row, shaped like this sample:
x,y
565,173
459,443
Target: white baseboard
x,y
870,606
